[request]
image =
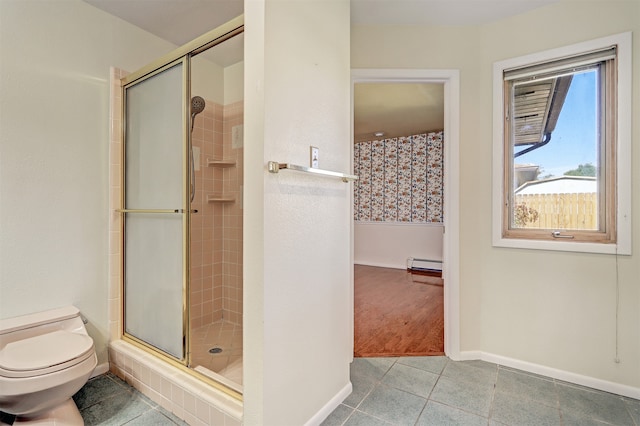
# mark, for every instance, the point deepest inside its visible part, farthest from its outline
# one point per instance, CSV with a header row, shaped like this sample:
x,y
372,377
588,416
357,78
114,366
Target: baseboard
x,y
426,266
381,265
567,376
467,356
328,408
100,370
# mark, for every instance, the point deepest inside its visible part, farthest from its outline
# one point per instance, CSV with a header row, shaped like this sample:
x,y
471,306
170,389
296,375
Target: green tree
x,y
587,169
524,215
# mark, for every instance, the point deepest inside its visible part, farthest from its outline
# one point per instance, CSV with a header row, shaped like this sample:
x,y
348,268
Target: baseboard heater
x,y
424,265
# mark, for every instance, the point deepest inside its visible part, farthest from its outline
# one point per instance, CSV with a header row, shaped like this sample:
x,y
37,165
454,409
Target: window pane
x,y
570,148
555,143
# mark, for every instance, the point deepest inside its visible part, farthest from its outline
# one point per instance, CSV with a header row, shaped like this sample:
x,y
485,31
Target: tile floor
x,y
406,391
438,391
107,400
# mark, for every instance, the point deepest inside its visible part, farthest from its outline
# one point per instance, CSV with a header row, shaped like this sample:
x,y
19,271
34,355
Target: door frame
x,y
451,243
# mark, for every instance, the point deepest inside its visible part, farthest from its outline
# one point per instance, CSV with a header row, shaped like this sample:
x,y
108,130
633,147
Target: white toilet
x,y
45,358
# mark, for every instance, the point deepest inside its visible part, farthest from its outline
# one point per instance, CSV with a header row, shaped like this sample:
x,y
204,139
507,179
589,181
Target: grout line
x,y
493,395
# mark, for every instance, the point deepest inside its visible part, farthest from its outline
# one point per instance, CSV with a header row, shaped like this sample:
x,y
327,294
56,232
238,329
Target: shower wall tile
x,y
115,150
232,115
183,395
115,237
205,237
114,277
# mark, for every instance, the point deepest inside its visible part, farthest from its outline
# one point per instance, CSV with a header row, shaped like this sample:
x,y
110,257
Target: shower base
x,y
217,347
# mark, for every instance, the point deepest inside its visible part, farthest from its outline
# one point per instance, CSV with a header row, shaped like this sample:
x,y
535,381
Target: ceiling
x,y
180,21
377,108
439,12
396,109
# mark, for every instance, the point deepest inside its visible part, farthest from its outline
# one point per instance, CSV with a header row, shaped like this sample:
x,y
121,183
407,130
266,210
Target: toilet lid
x,y
45,351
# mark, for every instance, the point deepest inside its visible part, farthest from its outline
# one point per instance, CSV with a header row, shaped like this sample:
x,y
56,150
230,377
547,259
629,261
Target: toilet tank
x,y
25,326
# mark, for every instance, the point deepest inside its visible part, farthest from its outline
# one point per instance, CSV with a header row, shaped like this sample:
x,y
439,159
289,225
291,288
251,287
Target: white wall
x,y
549,309
207,79
234,83
561,307
390,244
297,335
54,132
447,48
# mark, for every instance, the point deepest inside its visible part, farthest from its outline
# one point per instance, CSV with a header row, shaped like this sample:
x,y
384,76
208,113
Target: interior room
x,y
398,218
568,315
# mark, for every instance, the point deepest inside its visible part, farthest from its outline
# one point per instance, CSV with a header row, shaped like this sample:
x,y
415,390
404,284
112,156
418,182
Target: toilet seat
x,y
44,354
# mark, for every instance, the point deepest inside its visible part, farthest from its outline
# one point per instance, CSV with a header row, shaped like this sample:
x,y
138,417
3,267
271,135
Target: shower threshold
x,y
219,378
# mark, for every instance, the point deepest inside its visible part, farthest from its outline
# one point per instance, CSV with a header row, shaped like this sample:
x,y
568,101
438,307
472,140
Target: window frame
x,y
617,193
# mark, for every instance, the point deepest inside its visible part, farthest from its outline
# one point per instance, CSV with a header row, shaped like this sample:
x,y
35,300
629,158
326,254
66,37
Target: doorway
x,y
449,81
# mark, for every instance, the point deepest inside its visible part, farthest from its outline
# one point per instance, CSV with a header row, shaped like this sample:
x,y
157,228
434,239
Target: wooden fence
x,y
559,211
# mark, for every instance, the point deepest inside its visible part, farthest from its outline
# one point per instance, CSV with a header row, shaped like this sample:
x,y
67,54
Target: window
x,y
562,140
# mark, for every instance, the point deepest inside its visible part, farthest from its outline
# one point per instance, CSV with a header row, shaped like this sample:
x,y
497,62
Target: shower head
x,y
197,105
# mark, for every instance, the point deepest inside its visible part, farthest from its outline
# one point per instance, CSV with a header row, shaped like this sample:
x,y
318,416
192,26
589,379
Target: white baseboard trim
x,y
330,406
100,370
468,356
567,376
381,265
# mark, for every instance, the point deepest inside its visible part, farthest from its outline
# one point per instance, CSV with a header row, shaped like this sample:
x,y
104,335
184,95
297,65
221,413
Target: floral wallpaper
x,y
400,179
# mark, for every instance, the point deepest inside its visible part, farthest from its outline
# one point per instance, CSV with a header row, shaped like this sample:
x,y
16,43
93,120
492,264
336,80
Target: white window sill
x,y
562,246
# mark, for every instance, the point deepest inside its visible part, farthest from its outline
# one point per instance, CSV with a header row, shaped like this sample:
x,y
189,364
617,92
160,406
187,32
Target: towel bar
x,y
275,167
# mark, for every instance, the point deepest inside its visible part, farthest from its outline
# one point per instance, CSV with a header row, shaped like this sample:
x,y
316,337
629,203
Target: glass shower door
x,y
155,211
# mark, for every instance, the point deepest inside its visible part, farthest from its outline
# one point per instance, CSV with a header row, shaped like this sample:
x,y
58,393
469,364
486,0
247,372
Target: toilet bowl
x,y
45,358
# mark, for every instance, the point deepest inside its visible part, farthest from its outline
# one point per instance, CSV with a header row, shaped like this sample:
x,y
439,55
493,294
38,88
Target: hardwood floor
x,y
397,313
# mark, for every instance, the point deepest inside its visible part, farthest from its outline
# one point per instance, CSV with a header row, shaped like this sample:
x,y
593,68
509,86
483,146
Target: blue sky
x,y
574,140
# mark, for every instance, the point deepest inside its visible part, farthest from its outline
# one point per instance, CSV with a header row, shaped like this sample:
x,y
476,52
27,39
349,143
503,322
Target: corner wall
x,y
297,337
559,309
430,47
553,310
54,154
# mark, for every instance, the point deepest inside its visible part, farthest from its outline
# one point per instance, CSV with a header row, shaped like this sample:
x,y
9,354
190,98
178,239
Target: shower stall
x,y
181,206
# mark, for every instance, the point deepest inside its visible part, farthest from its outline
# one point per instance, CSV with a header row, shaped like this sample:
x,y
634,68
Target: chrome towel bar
x,y
275,167
147,211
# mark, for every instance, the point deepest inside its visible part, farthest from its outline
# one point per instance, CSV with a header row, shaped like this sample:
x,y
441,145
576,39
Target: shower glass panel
x,y
154,211
215,293
182,206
